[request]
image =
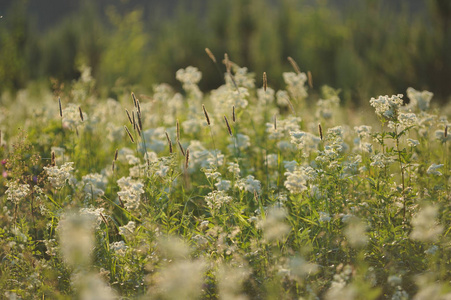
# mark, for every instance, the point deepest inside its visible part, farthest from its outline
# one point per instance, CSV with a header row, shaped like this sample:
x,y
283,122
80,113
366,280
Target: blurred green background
x,y
364,47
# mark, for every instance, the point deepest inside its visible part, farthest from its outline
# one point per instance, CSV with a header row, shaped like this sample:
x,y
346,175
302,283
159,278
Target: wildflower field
x,y
243,192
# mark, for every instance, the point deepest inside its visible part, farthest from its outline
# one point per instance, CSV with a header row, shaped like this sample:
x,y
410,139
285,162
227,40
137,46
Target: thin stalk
x,y
402,174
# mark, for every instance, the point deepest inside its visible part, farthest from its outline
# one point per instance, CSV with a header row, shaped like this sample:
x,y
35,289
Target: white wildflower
x,y
16,192
58,176
71,116
190,75
76,234
274,226
412,142
94,185
95,214
387,107
425,226
296,181
249,184
363,131
130,192
265,97
216,199
419,99
128,230
355,232
234,168
433,169
296,84
223,185
323,217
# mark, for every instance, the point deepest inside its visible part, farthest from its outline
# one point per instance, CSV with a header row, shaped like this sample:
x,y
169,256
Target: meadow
x,y
242,192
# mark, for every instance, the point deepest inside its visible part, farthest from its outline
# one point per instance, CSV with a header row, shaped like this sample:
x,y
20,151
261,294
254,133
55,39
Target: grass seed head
x,y
134,99
140,124
320,129
187,158
169,142
265,81
228,126
129,134
181,148
60,107
210,54
206,114
129,118
138,106
294,64
81,113
53,162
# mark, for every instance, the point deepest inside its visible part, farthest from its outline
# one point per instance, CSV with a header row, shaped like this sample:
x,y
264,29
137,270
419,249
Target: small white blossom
x,y
249,184
425,226
216,199
234,168
387,107
58,176
223,185
16,192
419,99
433,169
412,143
128,230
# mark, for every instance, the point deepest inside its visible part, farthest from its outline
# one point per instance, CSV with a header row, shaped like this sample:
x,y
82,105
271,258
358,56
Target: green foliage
x,y
274,206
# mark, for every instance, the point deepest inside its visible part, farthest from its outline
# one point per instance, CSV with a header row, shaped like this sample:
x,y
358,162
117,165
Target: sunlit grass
x,y
261,203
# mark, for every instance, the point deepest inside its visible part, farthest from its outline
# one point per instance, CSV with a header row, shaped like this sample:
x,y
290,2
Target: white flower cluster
x,y
71,116
381,160
284,127
222,184
265,97
94,213
128,230
234,168
363,131
355,232
203,158
433,169
425,226
119,248
58,176
334,147
190,77
130,192
94,185
296,84
216,199
274,226
387,107
297,178
242,78
305,141
326,107
16,192
249,184
419,99
242,142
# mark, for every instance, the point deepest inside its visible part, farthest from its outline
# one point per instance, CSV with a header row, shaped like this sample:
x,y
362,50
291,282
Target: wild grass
x,y
353,205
